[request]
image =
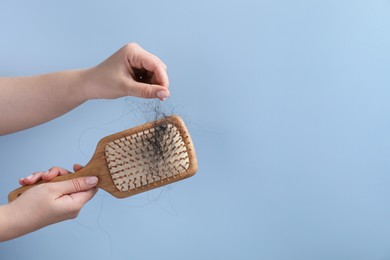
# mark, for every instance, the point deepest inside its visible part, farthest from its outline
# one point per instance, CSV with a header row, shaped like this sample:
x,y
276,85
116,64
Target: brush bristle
x,y
153,156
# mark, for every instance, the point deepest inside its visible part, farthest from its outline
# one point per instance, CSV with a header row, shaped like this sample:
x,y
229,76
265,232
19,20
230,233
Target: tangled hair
x,y
159,146
160,141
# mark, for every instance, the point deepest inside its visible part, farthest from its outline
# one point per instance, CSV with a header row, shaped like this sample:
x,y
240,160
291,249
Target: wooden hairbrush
x,y
138,159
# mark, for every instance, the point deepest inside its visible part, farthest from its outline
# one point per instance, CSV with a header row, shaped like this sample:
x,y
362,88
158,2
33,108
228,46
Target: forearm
x,y
11,228
19,220
30,101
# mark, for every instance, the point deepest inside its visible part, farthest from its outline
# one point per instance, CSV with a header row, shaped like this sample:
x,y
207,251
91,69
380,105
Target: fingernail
x,y
91,180
162,94
46,173
30,177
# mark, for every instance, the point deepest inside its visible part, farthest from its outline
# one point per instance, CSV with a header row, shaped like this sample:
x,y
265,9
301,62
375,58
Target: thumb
x,y
76,185
145,90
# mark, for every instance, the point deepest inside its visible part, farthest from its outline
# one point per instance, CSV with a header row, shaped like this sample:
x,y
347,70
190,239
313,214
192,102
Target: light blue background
x,y
288,106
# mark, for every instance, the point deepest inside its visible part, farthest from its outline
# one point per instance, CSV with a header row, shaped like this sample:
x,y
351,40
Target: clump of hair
x,y
160,140
158,144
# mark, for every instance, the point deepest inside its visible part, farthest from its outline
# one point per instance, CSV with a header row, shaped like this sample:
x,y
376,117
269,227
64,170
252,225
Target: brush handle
x,y
86,171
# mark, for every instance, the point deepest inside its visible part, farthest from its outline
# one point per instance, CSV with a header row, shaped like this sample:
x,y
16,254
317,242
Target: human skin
x,y
45,204
29,101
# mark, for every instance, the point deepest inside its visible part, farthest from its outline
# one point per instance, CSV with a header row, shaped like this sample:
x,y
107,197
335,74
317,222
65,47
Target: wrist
x,y
87,84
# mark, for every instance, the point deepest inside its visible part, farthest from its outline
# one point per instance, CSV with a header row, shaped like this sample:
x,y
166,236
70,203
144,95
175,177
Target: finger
x,y
33,178
54,172
160,76
153,75
77,167
141,59
58,170
140,84
145,90
76,185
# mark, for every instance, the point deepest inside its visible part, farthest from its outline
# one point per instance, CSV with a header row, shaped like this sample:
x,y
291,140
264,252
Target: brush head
x,y
150,156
